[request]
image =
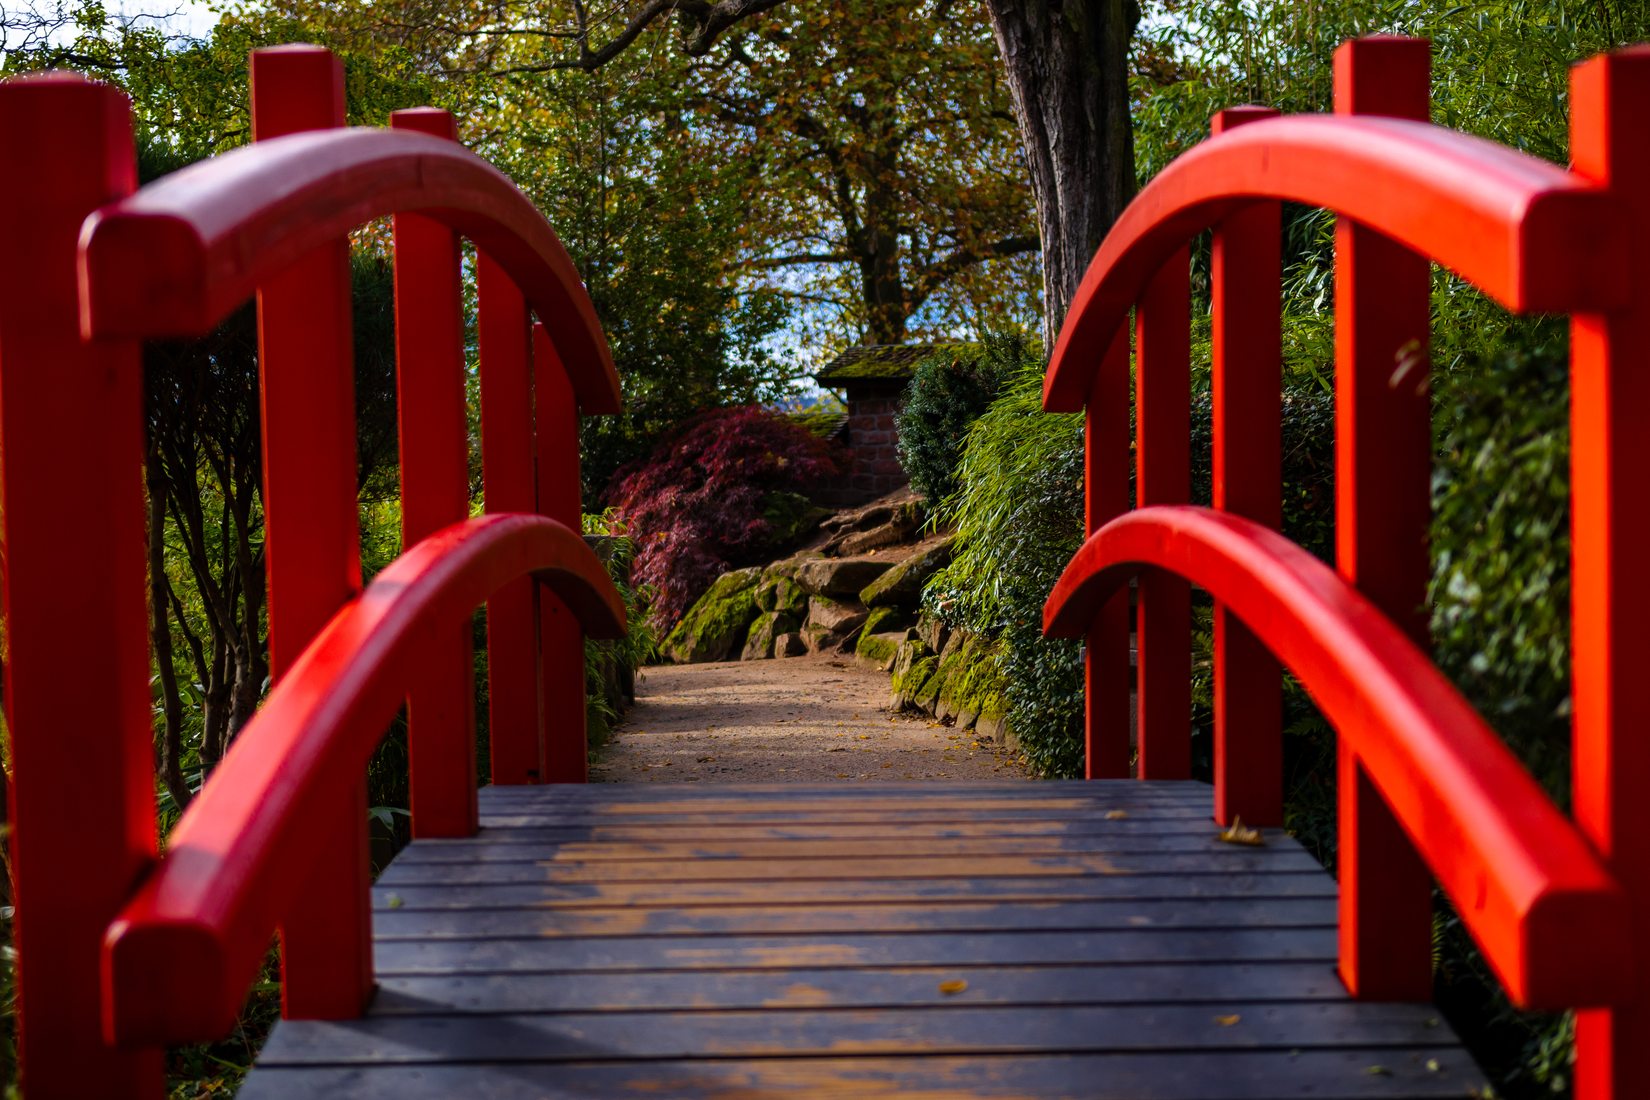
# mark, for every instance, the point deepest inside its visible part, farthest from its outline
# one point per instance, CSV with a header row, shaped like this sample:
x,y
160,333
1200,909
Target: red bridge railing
x,y
1426,788
121,949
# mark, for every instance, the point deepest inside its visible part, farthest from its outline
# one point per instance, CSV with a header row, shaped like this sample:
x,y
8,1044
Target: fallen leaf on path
x,y
1239,833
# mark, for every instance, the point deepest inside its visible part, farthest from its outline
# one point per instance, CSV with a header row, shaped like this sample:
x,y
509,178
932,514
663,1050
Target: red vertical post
x,y
1383,505
561,642
435,493
1106,496
1247,377
508,486
312,526
1163,626
1609,407
77,661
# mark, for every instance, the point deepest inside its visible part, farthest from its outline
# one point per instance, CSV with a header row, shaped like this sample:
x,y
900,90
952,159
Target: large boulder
x,y
715,627
839,577
820,639
838,618
881,637
902,585
914,665
778,590
905,521
759,644
791,518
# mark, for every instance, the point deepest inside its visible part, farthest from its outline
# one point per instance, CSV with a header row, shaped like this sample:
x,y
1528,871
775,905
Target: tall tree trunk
x,y
1067,67
883,285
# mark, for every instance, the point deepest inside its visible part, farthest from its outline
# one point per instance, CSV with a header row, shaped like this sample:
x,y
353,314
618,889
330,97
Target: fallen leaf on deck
x,y
1116,815
1228,1021
1239,833
1378,1071
953,987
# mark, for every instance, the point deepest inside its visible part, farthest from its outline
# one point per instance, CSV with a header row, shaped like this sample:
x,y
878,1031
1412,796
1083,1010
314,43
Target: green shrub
x,y
1501,551
1018,512
948,392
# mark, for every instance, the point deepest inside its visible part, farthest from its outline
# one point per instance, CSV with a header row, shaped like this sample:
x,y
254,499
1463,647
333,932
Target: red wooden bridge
x,y
1075,939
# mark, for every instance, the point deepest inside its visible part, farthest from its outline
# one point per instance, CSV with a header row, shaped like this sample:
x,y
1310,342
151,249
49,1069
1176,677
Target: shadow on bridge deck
x,y
1084,939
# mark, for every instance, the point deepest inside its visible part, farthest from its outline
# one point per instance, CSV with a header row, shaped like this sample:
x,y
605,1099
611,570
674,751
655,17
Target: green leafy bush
x,y
948,392
1018,511
1500,593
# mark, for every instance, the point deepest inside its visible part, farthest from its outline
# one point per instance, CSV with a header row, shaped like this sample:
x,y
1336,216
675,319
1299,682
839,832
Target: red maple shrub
x,y
695,506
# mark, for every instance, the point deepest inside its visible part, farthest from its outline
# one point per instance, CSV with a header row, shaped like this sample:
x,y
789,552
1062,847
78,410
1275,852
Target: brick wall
x,y
872,440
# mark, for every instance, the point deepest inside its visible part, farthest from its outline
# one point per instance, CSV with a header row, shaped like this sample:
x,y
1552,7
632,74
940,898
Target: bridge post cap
x,y
1229,117
425,120
293,49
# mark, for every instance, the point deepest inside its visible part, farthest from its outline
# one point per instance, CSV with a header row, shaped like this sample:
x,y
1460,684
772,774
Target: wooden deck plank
x,y
1234,859
674,832
891,817
925,891
724,941
774,1032
1167,983
1225,1075
590,851
401,923
959,949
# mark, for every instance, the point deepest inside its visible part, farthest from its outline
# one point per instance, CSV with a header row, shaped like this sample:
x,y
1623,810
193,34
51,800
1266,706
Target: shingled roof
x,y
878,363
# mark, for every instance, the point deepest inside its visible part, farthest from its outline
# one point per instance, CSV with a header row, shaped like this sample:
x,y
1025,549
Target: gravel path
x,y
802,720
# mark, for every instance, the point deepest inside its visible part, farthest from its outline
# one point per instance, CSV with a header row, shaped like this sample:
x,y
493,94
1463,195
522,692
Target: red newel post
x,y
1245,271
435,493
77,662
1383,504
561,641
1610,528
508,485
1163,628
1105,496
312,526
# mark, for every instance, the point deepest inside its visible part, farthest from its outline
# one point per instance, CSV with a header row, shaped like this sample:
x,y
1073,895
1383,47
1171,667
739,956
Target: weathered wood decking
x,y
748,941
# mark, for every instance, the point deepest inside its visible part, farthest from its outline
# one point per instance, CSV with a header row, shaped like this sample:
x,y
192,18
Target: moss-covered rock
x,y
789,645
914,666
777,589
902,585
715,627
836,616
791,518
880,650
889,620
981,687
840,578
932,631
768,626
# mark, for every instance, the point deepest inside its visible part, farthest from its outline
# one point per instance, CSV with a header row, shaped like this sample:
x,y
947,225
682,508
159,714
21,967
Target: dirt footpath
x,y
802,719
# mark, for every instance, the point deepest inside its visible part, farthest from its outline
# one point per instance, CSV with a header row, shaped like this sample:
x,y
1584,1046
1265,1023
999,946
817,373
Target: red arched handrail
x,y
1549,916
177,256
1526,232
180,957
